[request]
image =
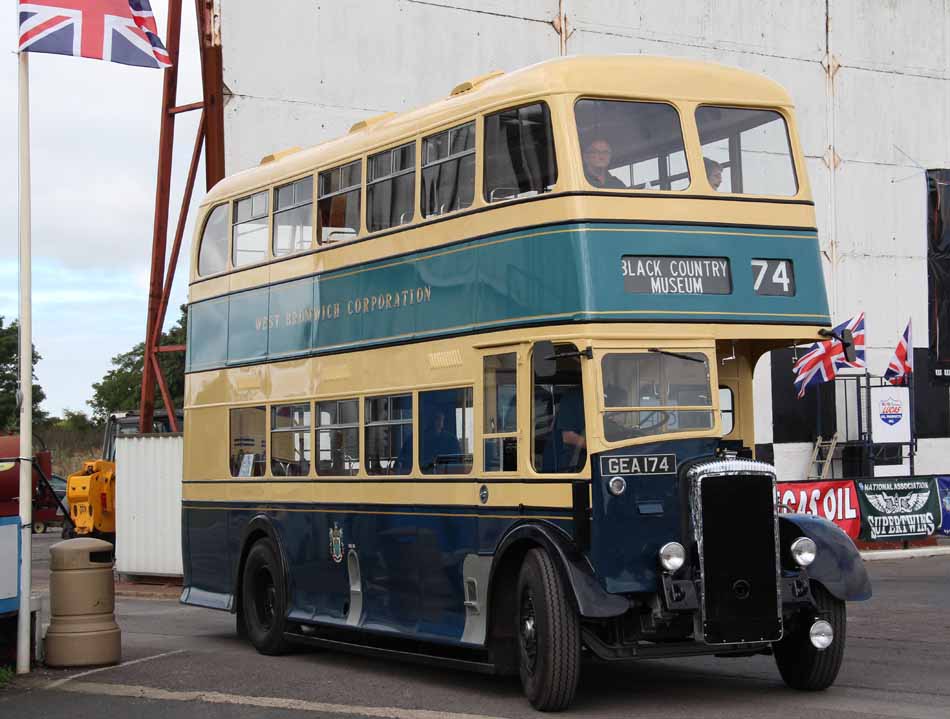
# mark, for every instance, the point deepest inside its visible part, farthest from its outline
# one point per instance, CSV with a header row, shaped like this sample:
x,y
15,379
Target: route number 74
x,y
773,277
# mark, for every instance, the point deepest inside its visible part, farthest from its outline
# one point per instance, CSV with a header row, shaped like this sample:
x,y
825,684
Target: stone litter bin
x,y
82,630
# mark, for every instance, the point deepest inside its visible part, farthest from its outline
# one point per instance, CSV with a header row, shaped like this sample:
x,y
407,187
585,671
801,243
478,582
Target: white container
x,y
148,504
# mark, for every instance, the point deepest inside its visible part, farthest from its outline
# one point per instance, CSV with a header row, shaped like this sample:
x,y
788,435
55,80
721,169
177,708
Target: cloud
x,y
94,142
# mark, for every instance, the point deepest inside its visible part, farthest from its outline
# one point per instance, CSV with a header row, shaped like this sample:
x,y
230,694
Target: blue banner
x,y
943,487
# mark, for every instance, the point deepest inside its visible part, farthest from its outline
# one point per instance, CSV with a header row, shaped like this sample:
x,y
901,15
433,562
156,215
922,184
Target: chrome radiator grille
x,y
736,531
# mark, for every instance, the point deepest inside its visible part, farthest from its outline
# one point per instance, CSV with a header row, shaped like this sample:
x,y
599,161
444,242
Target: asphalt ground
x,y
179,661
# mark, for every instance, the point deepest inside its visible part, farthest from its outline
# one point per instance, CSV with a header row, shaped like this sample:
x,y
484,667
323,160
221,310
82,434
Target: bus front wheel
x,y
264,599
549,641
801,665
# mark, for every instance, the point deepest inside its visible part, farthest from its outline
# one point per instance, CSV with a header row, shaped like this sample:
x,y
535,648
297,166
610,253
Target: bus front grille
x,y
735,525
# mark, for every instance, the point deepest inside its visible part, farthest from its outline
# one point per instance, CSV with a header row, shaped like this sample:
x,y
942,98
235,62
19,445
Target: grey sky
x,y
94,129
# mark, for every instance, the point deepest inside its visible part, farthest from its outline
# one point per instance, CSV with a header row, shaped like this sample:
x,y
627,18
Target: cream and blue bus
x,y
473,383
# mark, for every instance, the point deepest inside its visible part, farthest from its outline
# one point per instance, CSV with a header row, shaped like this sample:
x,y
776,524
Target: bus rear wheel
x,y
549,637
264,599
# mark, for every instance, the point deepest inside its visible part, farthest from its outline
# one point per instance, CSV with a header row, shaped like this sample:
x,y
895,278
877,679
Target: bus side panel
x,y
207,560
412,571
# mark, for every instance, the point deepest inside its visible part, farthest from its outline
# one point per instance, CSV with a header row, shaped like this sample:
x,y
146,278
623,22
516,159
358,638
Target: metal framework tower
x,y
210,136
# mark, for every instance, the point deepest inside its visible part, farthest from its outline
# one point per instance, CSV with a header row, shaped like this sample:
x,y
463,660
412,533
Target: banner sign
x,y
902,508
836,501
943,486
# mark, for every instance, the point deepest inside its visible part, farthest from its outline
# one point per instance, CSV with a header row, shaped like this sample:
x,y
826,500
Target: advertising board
x,y
905,508
836,501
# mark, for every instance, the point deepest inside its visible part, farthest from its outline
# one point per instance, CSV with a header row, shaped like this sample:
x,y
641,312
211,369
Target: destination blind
x,y
646,274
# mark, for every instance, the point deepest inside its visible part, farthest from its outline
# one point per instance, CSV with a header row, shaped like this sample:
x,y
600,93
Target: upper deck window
x,y
390,187
250,229
293,217
448,170
338,204
631,145
746,151
213,255
519,153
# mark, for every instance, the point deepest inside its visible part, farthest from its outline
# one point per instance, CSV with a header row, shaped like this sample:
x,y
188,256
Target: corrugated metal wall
x,y
148,505
869,77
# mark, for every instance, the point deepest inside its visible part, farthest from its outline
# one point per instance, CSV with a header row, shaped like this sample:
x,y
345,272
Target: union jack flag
x,y
902,363
823,359
121,31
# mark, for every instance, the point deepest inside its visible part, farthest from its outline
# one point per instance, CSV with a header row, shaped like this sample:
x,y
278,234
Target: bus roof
x,y
633,76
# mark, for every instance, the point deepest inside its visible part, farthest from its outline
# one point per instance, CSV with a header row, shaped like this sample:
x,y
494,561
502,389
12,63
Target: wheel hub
x,y
528,631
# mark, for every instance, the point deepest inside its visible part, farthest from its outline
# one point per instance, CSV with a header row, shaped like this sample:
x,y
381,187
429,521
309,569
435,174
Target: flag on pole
x,y
121,31
902,363
856,325
823,359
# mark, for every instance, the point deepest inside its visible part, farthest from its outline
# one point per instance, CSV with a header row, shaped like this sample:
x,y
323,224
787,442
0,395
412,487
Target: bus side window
x,y
290,440
213,255
248,441
501,413
338,441
445,431
250,230
727,410
557,415
390,187
338,203
388,438
448,171
519,153
293,217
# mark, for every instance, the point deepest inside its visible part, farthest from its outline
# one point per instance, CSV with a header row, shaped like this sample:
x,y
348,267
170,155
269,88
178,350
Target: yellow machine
x,y
90,492
91,496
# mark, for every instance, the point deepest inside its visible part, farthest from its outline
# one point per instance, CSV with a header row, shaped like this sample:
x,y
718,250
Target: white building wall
x,y
870,79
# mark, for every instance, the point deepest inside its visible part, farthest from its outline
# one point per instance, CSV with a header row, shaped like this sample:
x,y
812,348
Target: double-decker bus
x,y
474,382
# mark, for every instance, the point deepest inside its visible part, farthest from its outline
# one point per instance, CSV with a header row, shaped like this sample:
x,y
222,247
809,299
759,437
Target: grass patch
x,y
6,675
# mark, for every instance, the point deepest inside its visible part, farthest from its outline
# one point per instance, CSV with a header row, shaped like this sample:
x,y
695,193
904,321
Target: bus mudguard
x,y
838,565
258,527
592,600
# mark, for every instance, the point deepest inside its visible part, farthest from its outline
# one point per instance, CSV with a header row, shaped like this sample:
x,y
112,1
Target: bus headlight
x,y
672,556
804,551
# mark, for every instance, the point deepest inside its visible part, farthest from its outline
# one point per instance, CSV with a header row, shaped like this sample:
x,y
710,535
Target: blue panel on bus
x,y
207,335
248,322
290,321
564,273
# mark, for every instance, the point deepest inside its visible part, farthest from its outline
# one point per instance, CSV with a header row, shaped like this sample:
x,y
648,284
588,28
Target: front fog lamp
x,y
672,556
821,635
803,551
617,486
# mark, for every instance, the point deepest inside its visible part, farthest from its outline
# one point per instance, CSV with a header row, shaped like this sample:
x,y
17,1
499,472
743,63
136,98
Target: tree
x,y
121,387
9,374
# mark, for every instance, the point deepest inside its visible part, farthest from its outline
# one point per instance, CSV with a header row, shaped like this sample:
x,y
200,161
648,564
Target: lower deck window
x,y
445,439
338,438
290,440
248,441
388,434
557,410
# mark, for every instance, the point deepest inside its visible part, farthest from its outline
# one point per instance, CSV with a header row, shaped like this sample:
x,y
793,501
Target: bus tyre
x,y
264,599
801,665
549,637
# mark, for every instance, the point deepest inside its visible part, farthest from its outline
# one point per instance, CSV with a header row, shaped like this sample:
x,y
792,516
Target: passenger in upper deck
x,y
597,154
713,173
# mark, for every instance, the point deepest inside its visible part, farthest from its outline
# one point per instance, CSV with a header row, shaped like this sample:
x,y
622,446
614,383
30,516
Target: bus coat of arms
x,y
336,543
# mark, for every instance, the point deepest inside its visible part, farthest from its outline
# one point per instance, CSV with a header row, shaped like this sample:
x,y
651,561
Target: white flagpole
x,y
24,641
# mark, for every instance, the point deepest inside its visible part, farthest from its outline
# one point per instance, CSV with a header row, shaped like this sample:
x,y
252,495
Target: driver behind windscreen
x,y
597,154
